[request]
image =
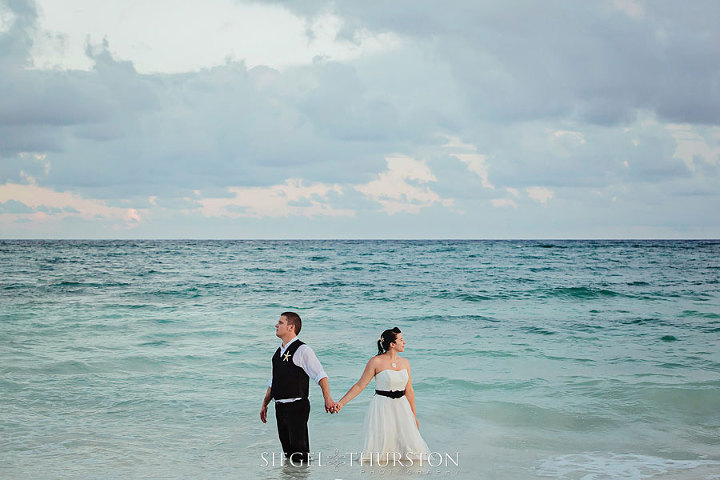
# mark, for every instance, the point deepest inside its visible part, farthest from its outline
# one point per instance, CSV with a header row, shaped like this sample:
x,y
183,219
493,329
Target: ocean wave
x,y
601,466
69,283
449,384
550,245
581,293
537,330
330,284
697,314
451,319
692,399
569,359
493,353
188,292
518,414
66,367
465,296
642,321
264,270
543,269
155,343
149,272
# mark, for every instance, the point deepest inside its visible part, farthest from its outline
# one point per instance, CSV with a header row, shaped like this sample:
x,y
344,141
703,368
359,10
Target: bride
x,y
391,429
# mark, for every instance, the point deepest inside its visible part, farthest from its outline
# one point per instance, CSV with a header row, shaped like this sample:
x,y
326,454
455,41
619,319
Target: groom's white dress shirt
x,y
304,358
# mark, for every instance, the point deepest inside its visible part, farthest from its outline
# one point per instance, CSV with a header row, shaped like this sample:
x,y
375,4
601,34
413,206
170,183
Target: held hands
x,y
332,407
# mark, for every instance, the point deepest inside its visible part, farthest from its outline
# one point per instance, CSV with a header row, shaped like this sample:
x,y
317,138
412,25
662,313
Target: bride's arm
x,y
410,394
355,390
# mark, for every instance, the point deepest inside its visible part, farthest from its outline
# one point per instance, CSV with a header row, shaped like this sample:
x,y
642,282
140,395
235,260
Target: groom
x,y
293,364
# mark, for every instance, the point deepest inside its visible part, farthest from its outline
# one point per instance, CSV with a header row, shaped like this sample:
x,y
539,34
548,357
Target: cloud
x,y
503,202
514,61
632,8
496,99
218,30
476,163
399,189
291,199
44,203
691,146
540,194
573,137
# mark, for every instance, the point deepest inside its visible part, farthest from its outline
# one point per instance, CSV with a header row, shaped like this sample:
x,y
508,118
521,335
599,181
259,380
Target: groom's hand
x,y
329,405
263,414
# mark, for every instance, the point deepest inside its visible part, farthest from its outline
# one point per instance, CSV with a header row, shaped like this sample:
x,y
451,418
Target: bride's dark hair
x,y
387,337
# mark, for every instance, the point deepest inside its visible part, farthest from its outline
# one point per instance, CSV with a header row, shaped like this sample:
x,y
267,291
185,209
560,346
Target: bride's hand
x,y
416,423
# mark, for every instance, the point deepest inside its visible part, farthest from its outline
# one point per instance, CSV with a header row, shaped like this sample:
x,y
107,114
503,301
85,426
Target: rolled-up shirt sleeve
x,y
305,358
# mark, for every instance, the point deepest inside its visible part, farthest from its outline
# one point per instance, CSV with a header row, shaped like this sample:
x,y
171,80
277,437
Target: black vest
x,y
289,380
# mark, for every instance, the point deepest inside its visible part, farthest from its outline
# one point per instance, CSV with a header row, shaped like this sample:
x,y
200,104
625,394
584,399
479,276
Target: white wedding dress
x,y
390,429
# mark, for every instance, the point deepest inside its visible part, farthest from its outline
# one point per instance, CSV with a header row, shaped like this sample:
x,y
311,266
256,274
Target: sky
x,y
374,119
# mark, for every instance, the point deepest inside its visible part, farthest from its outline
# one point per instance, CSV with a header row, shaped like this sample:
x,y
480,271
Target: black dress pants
x,y
292,420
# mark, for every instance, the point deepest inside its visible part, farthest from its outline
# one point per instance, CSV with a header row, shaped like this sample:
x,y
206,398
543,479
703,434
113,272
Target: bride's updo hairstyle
x,y
387,337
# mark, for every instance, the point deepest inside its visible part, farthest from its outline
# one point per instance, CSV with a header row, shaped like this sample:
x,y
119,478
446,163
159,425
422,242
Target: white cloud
x,y
540,194
291,199
455,143
575,137
631,8
503,202
64,204
691,145
6,19
169,36
476,164
392,188
506,202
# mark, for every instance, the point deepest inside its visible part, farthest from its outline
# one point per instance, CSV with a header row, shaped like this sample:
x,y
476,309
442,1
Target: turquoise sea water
x,y
530,359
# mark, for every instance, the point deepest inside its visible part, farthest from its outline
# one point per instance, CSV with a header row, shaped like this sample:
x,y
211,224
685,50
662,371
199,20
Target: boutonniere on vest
x,y
286,357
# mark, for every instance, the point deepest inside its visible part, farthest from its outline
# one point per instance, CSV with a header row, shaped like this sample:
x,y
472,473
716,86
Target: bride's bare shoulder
x,y
374,361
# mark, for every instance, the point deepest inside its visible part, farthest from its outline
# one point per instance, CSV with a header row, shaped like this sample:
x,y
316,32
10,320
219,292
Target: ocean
x,y
530,359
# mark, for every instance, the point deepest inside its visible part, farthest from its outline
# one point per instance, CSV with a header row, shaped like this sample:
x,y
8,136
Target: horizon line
x,y
448,239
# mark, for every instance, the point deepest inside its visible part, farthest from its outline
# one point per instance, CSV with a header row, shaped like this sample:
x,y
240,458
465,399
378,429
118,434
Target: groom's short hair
x,y
293,319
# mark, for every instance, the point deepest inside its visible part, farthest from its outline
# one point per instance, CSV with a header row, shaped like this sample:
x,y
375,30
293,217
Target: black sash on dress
x,y
390,393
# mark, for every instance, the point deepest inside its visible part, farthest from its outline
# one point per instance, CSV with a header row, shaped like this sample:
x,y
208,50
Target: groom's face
x,y
282,328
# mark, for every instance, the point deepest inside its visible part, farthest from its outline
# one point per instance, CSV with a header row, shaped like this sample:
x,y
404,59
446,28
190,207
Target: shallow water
x,y
531,359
